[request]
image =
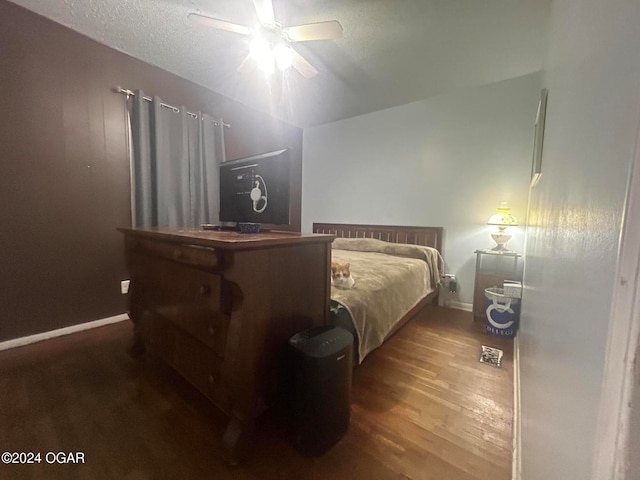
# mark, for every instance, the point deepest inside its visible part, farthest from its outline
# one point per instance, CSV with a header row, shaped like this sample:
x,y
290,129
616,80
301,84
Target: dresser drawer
x,y
188,298
193,360
201,257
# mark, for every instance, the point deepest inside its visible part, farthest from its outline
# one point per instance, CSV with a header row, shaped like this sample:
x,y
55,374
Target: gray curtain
x,y
175,165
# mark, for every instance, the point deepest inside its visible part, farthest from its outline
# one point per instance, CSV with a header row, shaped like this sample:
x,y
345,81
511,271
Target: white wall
x,y
593,77
446,161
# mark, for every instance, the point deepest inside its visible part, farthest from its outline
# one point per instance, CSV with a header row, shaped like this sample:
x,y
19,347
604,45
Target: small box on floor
x,y
491,356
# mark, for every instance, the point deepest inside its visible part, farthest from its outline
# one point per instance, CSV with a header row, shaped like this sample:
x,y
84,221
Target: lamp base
x,y
501,240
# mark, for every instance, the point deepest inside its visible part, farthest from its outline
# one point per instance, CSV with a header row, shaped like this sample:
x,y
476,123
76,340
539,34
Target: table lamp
x,y
502,220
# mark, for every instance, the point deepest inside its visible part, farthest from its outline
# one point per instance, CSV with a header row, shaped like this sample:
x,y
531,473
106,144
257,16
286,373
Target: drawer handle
x,y
212,330
212,378
204,290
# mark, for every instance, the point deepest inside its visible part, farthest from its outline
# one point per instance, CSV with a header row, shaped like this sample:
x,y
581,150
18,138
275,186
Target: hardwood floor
x,y
423,408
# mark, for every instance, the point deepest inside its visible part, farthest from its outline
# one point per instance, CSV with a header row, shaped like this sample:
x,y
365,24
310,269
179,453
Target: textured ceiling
x,y
392,52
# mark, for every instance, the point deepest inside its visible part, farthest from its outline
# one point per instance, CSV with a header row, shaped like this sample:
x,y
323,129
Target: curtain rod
x,y
128,92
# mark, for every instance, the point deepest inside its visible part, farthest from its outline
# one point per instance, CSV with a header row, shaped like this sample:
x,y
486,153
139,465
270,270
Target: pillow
x,y
380,246
428,254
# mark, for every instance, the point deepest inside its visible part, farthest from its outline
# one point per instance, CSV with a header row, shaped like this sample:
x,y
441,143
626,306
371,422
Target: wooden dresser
x,y
219,307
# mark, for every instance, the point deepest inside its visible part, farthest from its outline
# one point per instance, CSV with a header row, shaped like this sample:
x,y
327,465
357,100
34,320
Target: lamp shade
x,y
503,218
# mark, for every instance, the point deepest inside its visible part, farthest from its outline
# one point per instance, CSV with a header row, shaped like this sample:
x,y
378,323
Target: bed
x,y
396,269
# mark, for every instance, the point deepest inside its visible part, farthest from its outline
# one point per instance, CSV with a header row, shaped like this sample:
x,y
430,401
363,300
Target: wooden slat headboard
x,y
428,236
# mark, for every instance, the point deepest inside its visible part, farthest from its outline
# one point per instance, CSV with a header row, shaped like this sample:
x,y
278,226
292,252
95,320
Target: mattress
x,y
390,279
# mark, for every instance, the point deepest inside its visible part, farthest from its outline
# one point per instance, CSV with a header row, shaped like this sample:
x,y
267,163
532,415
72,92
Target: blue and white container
x,y
502,313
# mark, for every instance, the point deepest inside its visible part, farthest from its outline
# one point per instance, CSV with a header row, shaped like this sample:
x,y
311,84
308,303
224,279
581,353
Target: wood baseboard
x,y
19,342
516,466
467,307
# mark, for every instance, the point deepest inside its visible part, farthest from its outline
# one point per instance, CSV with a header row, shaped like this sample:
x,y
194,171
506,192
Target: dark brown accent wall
x,y
64,168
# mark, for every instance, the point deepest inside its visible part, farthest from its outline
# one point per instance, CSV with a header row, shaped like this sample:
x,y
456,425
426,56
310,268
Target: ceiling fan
x,y
270,41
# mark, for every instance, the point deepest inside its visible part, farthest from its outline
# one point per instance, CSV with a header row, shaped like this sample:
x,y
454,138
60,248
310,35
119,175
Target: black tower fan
x,y
322,359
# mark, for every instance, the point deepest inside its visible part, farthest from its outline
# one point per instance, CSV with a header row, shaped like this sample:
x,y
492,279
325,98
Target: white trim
x,y
516,462
19,342
467,307
612,448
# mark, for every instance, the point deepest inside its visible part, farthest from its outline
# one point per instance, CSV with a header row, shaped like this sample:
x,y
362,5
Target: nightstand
x,y
492,269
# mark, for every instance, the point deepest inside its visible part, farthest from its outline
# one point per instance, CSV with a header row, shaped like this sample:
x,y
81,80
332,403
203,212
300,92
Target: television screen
x,y
256,189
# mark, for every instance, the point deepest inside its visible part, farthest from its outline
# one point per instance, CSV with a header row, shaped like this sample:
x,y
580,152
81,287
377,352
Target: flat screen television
x,y
256,189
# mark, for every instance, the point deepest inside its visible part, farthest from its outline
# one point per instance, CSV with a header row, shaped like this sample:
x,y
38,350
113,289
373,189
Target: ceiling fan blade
x,y
313,31
264,10
303,67
219,24
246,64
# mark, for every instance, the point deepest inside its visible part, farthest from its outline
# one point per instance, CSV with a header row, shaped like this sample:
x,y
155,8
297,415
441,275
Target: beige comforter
x,y
390,279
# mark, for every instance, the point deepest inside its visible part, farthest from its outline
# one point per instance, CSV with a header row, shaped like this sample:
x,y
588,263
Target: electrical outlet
x,y
449,282
124,286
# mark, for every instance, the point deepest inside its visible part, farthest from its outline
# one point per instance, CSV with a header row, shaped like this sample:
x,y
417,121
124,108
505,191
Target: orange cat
x,y
341,275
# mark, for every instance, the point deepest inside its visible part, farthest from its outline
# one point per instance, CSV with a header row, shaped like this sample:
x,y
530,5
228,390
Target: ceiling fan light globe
x,y
259,48
267,65
284,56
261,52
